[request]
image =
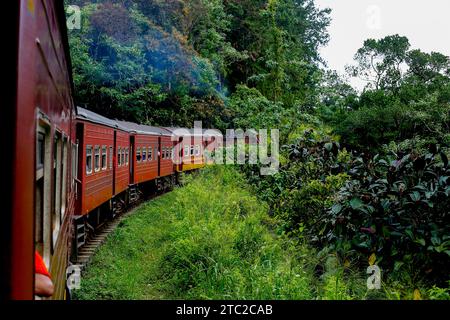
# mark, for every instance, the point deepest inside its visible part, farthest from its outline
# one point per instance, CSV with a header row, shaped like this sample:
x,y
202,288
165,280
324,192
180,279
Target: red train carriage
x,y
144,142
152,153
37,122
104,168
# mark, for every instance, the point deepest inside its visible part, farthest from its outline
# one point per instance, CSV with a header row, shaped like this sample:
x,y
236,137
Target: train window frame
x,y
150,154
57,187
144,154
64,172
111,156
74,164
124,163
40,153
127,156
90,170
43,181
97,167
104,158
186,150
138,155
197,150
119,152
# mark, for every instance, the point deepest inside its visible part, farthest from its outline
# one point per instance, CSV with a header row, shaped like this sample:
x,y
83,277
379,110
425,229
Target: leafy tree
x,y
379,62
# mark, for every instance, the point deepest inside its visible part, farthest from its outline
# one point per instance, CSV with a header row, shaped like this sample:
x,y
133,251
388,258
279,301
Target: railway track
x,y
99,237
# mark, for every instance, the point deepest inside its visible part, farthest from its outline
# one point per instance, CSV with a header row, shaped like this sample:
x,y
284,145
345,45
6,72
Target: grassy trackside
x,y
210,239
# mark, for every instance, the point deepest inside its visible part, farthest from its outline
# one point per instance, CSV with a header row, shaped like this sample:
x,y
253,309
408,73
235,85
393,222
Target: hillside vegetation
x,y
213,239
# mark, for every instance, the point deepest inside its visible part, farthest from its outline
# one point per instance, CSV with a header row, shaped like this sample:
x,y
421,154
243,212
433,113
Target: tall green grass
x,y
210,239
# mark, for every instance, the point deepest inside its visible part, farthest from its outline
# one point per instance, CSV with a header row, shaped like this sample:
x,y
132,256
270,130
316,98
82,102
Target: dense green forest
x,y
364,174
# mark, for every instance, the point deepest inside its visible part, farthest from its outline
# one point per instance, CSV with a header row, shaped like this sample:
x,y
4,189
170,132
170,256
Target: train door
x,y
132,158
112,162
158,154
80,163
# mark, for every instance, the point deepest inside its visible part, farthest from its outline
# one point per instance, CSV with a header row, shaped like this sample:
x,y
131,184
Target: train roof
x,y
87,115
84,114
193,132
144,129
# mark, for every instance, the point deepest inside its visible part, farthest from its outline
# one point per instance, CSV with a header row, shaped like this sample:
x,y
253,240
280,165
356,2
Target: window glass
x,y
110,157
123,157
119,152
186,150
192,150
127,156
144,154
138,155
56,197
89,159
39,192
150,154
40,150
97,158
74,164
64,159
104,162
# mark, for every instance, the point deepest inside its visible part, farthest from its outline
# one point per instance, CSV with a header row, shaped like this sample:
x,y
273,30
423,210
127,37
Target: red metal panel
x,y
97,187
146,170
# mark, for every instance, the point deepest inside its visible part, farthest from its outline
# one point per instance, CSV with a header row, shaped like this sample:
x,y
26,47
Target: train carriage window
x,y
88,159
138,155
127,156
104,158
186,150
64,177
74,165
163,152
197,150
119,152
43,191
150,154
40,149
144,154
97,158
56,203
123,157
111,157
192,150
